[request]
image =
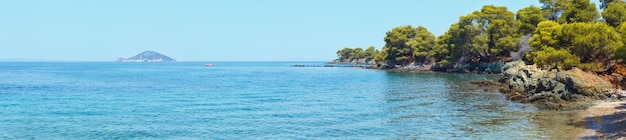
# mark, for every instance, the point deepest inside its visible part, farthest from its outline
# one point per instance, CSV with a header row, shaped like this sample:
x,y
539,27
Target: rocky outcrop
x,y
552,89
148,56
587,84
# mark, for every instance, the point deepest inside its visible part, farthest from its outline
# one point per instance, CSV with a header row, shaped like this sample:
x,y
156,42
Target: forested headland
x,y
559,34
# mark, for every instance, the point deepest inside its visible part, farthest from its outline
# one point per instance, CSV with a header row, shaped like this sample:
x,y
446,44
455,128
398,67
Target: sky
x,y
215,30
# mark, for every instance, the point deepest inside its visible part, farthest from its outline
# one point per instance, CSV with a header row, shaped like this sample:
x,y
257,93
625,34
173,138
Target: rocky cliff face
x,y
148,56
552,89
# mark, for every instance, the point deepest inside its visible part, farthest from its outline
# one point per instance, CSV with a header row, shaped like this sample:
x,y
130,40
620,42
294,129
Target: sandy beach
x,y
605,121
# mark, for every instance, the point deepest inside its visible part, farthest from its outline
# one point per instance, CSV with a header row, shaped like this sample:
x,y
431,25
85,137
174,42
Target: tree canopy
x,y
589,42
354,53
578,11
405,44
605,3
615,13
483,35
567,33
553,8
529,18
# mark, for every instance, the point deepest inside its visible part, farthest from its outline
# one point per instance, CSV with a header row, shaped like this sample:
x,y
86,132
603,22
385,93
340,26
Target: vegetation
x,y
578,11
615,13
356,53
565,33
405,44
529,18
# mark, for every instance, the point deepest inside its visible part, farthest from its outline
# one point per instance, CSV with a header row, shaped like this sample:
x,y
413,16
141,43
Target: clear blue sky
x,y
215,30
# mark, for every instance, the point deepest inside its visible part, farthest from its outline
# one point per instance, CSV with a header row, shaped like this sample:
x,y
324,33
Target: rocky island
x,y
148,56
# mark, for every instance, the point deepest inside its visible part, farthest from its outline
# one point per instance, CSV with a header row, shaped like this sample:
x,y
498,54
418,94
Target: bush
x,y
591,66
620,55
550,57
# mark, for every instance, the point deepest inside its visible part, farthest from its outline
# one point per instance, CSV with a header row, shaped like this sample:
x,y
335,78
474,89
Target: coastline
x,y
594,118
606,120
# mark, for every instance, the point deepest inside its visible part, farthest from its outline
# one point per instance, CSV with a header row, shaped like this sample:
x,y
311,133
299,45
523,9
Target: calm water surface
x,y
238,100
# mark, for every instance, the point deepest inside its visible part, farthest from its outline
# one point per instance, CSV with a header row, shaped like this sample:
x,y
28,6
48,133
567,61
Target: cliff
x,y
148,56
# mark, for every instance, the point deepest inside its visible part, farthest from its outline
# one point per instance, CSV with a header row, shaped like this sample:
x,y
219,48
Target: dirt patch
x,y
617,76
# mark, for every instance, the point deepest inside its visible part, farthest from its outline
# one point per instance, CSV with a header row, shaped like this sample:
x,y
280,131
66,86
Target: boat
x,y
209,65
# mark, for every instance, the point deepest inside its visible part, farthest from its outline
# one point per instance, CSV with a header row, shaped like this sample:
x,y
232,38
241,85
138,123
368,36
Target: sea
x,y
256,100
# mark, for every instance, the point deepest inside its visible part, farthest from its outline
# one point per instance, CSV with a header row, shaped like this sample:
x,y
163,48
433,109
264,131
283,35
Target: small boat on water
x,y
209,65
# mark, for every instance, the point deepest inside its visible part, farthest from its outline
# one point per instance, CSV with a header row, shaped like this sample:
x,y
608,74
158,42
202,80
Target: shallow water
x,y
256,100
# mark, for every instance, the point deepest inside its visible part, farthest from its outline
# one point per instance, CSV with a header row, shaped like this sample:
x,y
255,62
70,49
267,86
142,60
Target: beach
x,y
605,121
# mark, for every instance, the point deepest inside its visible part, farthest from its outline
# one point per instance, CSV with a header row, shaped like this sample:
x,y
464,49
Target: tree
x,y
348,54
615,13
605,3
357,53
546,35
590,41
441,51
529,17
402,42
380,56
553,8
370,52
548,56
620,53
422,44
344,53
483,35
579,11
593,44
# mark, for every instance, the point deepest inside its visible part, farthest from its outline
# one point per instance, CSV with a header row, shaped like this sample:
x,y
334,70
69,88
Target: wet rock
x,y
488,85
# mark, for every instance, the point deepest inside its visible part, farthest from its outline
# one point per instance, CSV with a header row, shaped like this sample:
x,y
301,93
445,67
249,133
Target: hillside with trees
x,y
562,34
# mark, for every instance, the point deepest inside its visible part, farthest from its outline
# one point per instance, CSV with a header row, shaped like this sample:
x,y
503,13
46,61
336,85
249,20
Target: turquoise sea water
x,y
256,100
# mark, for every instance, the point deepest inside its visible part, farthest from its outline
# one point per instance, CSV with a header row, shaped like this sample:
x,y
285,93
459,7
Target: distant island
x,y
147,56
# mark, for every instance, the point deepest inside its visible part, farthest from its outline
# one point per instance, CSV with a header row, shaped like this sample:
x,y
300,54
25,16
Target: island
x,y
147,56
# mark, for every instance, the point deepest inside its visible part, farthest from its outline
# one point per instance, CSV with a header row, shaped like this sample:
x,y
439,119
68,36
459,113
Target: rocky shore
x,y
554,89
362,61
595,96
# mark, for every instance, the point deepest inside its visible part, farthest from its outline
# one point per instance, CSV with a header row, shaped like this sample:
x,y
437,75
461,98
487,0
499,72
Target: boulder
x,y
585,83
520,77
527,83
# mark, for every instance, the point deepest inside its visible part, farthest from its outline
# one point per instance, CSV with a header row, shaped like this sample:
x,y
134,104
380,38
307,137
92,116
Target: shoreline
x,y
606,120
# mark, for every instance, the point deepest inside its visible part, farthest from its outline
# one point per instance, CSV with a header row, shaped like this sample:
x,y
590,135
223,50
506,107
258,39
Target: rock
x,y
488,85
552,89
148,56
520,77
585,83
618,94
